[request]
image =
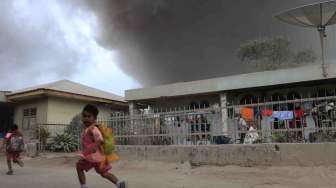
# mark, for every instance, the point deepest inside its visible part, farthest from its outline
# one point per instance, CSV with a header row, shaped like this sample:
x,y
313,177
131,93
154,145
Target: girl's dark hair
x,y
14,127
91,109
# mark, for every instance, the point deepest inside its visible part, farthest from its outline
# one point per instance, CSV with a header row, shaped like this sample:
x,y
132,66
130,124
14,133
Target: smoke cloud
x,y
152,41
164,41
44,41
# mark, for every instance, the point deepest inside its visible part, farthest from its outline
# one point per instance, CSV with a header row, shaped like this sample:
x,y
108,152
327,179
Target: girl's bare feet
x,y
19,162
10,172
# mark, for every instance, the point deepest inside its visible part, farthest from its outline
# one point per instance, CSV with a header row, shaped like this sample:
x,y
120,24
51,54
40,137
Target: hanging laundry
x,y
267,113
251,137
256,112
314,110
308,106
283,115
242,124
299,113
247,113
310,127
299,119
329,106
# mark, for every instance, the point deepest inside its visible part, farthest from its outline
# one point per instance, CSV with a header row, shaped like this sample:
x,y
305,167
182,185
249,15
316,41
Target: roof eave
x,y
49,92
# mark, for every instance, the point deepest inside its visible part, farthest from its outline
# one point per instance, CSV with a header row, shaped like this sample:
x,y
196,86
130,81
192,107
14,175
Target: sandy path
x,y
59,173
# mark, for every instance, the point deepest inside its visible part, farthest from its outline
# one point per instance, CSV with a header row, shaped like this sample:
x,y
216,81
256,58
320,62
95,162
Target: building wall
x,y
234,82
2,97
61,110
235,97
303,91
40,104
53,111
184,102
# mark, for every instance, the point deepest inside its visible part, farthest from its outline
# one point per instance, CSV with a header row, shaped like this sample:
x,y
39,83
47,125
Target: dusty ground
x,y
58,172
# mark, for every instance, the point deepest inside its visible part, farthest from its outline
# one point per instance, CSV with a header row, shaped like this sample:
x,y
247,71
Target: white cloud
x,y
50,40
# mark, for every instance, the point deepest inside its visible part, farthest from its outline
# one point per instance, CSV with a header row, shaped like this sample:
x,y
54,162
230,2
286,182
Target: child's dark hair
x,y
91,109
14,127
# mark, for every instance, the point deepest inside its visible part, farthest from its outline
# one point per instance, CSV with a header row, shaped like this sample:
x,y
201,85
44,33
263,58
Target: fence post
x,y
224,115
39,137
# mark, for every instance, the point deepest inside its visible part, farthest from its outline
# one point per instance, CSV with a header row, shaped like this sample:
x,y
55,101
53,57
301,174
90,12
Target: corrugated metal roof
x,y
242,81
74,88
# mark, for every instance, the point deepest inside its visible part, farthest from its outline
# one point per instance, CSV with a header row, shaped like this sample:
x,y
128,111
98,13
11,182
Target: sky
x,y
116,45
44,41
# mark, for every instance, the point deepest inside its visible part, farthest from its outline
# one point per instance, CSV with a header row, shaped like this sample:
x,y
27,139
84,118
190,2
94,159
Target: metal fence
x,y
184,127
65,134
288,121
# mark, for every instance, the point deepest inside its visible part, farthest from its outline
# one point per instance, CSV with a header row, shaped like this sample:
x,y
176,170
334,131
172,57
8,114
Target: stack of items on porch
x,y
304,117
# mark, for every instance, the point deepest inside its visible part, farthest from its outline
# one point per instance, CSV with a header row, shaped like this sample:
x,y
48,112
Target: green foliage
x,y
305,56
324,136
42,134
64,143
278,137
75,126
272,53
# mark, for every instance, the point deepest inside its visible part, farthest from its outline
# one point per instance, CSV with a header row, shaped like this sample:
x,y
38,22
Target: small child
x,y
91,156
14,146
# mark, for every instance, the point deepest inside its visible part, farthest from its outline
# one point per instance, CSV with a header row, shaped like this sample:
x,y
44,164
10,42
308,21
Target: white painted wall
x,y
184,102
62,110
39,104
2,97
55,110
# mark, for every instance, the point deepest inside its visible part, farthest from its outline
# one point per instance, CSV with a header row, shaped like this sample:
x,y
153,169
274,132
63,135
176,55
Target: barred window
x,y
29,118
28,112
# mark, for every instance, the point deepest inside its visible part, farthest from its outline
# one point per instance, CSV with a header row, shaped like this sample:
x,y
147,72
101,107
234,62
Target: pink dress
x,y
88,144
12,155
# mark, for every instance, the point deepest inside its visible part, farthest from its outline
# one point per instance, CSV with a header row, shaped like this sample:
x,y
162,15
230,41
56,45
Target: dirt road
x,y
44,172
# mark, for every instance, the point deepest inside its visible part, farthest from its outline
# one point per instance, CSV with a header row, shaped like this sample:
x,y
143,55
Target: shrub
x,y
64,143
42,134
75,126
278,137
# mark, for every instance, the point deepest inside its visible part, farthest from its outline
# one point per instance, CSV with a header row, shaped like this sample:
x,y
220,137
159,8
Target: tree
x,y
75,126
272,53
305,56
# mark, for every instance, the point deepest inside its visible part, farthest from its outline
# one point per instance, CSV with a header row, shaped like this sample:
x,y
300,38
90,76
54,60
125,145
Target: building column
x,y
224,114
131,106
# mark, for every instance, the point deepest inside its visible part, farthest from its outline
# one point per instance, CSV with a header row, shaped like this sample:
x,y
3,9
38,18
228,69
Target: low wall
x,y
241,155
31,149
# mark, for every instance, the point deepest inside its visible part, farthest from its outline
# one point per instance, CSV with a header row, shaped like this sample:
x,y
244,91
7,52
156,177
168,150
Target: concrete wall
x,y
61,110
304,91
2,96
40,104
53,110
235,82
182,102
241,155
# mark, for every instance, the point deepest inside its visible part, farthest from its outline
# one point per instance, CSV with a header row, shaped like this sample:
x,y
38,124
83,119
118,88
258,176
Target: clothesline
x,y
282,102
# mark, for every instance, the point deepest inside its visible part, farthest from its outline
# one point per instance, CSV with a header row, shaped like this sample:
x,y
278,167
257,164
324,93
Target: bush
x,y
278,137
75,126
42,134
64,143
324,136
